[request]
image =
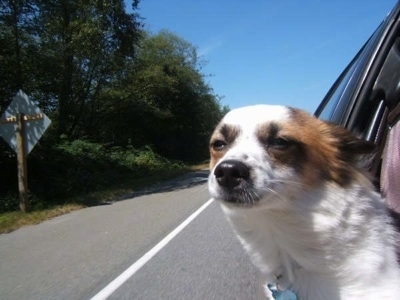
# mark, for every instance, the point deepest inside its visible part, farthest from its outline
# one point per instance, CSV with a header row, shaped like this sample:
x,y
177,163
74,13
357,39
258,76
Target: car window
x,y
335,104
336,92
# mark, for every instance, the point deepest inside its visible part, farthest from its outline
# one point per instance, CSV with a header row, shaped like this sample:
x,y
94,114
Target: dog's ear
x,y
353,149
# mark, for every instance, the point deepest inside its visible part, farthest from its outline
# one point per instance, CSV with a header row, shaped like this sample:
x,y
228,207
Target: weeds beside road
x,y
10,221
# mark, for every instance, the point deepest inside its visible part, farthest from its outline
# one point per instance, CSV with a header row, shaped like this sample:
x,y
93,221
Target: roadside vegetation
x,y
128,107
43,210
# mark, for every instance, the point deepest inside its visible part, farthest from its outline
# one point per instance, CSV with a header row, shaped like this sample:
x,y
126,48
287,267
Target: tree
x,y
17,27
64,53
164,101
100,78
90,43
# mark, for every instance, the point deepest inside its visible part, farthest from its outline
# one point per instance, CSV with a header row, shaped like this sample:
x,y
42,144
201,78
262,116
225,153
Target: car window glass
x,y
335,95
332,104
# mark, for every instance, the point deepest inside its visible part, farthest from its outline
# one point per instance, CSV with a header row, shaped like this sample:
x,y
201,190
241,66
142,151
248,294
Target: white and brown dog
x,y
308,217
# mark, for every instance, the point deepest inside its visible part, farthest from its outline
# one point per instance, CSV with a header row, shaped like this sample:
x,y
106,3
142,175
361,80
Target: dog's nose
x,y
231,172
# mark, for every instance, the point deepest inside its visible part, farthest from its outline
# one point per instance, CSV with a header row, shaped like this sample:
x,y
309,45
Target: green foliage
x,y
165,101
121,101
144,161
80,167
91,165
9,202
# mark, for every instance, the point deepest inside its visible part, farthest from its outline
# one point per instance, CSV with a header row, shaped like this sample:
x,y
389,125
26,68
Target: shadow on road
x,y
182,182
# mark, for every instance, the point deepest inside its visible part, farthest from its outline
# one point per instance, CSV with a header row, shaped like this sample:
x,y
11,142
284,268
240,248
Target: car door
x,y
365,99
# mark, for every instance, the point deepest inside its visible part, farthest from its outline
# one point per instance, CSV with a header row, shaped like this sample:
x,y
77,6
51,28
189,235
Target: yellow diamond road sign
x,y
36,122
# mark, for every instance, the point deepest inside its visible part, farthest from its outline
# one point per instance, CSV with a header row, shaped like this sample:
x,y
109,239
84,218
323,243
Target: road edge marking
x,y
137,265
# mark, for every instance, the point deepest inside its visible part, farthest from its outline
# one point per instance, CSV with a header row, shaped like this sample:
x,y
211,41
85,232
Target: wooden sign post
x,y
22,163
21,150
22,138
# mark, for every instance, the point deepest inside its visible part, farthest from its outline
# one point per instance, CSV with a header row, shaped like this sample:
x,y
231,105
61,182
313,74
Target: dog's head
x,y
262,153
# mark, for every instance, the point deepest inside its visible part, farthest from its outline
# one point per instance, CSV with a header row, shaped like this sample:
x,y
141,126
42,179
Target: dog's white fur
x,y
307,216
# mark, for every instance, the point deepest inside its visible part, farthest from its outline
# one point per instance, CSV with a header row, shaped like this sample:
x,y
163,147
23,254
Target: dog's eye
x,y
279,143
218,145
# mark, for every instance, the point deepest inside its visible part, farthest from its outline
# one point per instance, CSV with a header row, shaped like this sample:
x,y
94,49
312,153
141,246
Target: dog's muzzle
x,y
234,182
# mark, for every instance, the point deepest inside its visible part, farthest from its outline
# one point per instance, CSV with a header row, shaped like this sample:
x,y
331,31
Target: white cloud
x,y
207,49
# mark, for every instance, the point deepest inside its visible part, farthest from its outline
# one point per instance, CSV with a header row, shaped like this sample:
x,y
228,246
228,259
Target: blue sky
x,y
270,51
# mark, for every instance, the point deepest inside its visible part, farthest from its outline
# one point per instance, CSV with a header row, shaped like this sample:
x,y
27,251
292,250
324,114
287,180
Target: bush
x,y
9,202
75,168
144,160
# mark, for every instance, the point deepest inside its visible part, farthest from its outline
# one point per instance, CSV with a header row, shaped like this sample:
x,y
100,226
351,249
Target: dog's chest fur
x,y
315,247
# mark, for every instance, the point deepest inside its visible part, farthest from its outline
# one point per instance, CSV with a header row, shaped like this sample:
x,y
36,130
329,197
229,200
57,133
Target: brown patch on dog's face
x,y
329,151
283,149
221,141
315,149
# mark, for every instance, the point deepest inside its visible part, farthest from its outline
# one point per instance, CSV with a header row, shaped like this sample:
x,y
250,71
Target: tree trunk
x,y
17,48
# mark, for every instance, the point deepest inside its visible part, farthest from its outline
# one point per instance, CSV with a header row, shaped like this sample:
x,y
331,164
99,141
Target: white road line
x,y
136,266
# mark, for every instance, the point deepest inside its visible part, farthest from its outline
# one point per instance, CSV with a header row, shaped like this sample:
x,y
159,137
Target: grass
x,y
11,221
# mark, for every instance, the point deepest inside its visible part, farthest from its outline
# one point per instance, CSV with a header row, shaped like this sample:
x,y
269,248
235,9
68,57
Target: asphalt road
x,y
76,256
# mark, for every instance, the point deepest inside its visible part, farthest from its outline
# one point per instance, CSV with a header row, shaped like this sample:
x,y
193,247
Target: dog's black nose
x,y
230,173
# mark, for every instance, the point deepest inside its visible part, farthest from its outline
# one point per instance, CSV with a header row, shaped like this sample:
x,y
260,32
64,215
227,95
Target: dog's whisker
x,y
295,183
277,194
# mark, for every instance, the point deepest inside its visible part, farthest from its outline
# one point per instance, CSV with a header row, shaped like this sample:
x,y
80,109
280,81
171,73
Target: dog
x,y
302,208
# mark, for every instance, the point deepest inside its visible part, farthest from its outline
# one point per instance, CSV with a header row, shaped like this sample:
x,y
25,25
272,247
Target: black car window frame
x,y
351,89
330,102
